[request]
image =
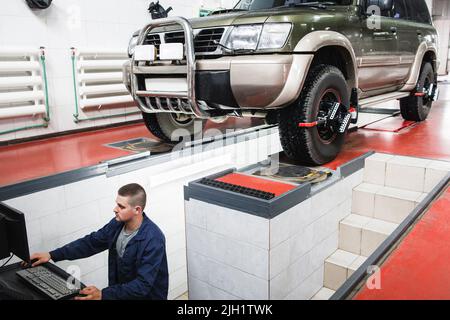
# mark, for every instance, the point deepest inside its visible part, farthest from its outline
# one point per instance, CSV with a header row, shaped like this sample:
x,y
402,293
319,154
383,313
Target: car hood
x,y
305,15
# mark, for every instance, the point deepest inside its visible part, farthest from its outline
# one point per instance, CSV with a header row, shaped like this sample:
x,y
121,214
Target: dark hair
x,y
136,194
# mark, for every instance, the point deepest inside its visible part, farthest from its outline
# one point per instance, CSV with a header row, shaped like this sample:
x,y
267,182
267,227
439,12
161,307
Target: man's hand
x,y
92,293
40,258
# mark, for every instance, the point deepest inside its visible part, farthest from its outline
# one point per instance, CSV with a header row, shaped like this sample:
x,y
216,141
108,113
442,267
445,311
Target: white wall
x,y
96,24
59,215
234,255
441,17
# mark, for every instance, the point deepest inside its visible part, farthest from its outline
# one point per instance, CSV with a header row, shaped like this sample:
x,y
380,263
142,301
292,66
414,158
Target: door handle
x,y
381,34
394,30
419,33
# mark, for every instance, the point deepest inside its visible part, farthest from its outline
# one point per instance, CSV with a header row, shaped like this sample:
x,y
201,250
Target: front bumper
x,y
227,83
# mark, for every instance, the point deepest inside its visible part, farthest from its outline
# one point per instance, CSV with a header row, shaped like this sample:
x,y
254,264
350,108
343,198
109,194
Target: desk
x,y
8,275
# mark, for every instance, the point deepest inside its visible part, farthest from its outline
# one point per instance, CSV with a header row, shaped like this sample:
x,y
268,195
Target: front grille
x,y
153,39
204,41
175,37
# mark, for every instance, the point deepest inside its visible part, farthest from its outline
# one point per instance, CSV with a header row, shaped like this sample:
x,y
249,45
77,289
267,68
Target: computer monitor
x,y
13,233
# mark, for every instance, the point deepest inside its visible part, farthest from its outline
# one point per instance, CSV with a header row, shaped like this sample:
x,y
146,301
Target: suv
x,y
306,66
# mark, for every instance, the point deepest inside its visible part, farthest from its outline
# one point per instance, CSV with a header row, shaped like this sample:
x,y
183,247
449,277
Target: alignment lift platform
x,y
249,234
256,235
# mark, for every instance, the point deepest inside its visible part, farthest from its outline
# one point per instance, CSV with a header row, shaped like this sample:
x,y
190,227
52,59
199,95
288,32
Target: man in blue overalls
x,y
137,252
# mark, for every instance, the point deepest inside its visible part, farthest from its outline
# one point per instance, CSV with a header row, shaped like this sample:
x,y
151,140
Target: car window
x,y
267,4
400,11
418,11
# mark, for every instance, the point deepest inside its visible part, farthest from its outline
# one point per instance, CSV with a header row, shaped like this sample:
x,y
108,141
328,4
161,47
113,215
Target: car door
x,y
407,33
379,56
419,23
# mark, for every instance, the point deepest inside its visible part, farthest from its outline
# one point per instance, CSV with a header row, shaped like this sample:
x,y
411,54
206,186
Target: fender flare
x,y
424,47
316,40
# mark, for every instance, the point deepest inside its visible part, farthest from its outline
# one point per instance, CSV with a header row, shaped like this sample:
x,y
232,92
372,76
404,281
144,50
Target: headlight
x,y
244,37
274,35
259,37
132,45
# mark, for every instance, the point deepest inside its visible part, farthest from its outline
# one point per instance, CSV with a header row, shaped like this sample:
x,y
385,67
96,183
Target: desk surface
x,y
8,275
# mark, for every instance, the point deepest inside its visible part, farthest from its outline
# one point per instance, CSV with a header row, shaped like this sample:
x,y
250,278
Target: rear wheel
x,y
172,127
417,108
320,144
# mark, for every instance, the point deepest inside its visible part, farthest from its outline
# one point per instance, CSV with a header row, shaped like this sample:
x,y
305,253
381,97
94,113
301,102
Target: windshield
x,y
267,4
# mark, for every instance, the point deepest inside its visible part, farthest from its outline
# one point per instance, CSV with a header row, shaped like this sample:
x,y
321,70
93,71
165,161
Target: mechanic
x,y
137,253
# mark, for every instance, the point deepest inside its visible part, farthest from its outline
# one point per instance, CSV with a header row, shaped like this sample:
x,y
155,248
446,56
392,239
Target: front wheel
x,y
320,144
172,127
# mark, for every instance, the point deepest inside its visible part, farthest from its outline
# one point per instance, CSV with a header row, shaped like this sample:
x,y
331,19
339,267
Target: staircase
x,y
393,186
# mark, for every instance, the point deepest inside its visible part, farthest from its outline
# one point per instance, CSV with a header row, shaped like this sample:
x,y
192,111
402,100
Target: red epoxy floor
x,y
393,124
429,139
419,268
31,160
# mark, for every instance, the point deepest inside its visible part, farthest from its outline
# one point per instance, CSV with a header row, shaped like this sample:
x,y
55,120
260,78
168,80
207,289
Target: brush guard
x,y
176,102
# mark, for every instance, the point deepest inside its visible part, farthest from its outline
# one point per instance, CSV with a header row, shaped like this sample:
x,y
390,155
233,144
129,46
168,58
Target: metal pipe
x,y
160,94
44,125
73,57
44,75
109,116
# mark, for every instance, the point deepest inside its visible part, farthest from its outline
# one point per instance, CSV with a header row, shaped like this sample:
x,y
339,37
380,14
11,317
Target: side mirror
x,y
383,5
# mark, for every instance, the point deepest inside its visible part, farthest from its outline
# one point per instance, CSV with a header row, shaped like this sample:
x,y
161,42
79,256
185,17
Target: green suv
x,y
306,66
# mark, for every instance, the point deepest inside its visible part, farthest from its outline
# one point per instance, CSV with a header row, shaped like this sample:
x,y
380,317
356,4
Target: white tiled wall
x,y
227,250
106,24
296,264
57,216
248,257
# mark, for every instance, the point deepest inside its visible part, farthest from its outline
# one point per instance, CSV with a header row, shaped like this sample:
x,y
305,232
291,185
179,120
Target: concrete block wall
x,y
234,255
60,215
98,24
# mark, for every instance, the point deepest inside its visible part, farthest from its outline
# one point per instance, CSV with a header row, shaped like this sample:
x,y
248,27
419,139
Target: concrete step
x,y
384,203
323,294
408,173
339,267
362,235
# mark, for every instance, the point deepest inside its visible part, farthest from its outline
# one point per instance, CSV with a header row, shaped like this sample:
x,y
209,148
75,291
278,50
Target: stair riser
x,y
421,176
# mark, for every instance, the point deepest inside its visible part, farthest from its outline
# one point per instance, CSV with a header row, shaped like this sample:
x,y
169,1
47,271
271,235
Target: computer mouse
x,y
26,264
80,295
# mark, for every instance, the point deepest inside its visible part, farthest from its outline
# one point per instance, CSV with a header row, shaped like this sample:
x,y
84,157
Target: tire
x,y
417,108
166,126
316,145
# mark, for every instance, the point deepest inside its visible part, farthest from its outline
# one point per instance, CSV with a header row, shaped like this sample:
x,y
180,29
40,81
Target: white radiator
x,y
98,78
22,83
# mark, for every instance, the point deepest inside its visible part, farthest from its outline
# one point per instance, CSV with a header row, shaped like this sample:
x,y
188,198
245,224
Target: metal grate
x,y
153,39
205,40
238,189
175,37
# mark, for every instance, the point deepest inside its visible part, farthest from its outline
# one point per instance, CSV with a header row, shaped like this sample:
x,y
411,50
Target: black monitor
x,y
13,233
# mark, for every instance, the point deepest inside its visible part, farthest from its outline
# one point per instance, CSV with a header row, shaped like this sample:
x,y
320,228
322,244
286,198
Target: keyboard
x,y
48,283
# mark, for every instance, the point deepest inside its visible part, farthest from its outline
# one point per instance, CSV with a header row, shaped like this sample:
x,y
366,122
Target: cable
x,y
12,255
